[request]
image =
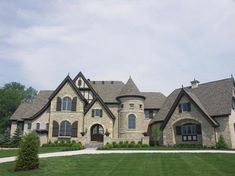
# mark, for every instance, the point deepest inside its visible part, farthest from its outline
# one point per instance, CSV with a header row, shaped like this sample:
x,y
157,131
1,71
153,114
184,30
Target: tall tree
x,y
11,95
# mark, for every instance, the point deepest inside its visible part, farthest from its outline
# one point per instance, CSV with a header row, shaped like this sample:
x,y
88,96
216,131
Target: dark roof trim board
x,y
70,81
85,80
137,96
97,97
102,104
172,109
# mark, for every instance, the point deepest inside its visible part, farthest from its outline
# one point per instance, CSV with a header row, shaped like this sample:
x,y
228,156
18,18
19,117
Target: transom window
x,y
65,128
131,121
184,107
67,104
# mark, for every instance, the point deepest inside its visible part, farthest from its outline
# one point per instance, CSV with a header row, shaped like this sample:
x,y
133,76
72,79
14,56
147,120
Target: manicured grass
x,y
13,152
132,165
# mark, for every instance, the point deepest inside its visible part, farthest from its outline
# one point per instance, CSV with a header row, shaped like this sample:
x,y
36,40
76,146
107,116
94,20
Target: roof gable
x,y
178,95
70,81
102,104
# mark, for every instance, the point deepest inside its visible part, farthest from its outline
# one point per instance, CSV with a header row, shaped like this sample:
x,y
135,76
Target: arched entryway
x,y
97,133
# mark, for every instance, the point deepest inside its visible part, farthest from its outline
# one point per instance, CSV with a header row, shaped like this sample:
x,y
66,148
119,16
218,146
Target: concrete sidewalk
x,y
94,151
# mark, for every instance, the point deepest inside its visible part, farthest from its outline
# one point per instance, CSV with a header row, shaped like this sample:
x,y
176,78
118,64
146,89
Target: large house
x,y
107,111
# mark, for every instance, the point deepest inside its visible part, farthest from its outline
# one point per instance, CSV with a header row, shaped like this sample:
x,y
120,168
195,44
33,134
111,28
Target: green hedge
x,y
69,145
125,144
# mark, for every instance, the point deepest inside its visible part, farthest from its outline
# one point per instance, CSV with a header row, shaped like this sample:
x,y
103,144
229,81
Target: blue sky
x,y
161,44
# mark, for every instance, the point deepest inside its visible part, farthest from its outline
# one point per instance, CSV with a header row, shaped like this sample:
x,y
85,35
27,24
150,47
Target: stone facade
x,y
207,137
114,124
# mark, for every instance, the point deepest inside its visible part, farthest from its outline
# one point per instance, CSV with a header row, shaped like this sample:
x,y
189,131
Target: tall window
x,y
67,104
29,126
131,121
37,126
65,128
47,126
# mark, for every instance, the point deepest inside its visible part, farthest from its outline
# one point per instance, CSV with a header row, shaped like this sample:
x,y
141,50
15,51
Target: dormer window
x,y
184,107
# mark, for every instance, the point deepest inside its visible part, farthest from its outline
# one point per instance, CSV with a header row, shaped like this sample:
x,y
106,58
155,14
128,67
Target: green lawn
x,y
13,152
132,165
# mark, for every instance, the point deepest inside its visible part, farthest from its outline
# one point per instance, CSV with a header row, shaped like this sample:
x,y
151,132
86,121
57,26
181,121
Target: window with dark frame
x,y
141,106
184,107
146,114
37,126
122,105
29,126
189,132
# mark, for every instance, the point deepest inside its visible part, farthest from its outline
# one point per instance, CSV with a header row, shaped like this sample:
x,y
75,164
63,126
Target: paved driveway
x,y
94,151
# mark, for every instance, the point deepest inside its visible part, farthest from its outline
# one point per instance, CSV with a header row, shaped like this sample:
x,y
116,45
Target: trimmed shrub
x,y
108,146
131,145
144,145
28,153
221,144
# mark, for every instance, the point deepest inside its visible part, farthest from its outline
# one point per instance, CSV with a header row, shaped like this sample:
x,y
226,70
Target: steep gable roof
x,y
130,89
70,81
102,104
214,98
194,100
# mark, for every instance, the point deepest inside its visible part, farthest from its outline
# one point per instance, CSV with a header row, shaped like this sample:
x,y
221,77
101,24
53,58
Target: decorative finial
x,y
231,75
68,73
182,86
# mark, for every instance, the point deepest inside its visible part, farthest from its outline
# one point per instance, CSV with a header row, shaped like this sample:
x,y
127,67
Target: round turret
x,y
131,111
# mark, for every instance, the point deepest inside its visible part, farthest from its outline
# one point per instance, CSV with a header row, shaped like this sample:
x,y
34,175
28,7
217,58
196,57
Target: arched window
x,y
67,104
131,121
65,128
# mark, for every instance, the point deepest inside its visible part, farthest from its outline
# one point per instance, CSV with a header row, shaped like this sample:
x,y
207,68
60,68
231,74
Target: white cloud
x,y
162,44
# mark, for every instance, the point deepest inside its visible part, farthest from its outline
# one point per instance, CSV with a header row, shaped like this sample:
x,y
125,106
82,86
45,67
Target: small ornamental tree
x,y
28,153
6,137
156,133
16,138
221,144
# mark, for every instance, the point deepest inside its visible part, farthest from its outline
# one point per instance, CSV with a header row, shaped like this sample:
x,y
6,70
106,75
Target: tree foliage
x,y
11,95
16,138
28,153
156,133
221,144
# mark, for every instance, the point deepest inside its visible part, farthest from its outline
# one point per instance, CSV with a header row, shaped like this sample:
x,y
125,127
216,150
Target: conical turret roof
x,y
130,90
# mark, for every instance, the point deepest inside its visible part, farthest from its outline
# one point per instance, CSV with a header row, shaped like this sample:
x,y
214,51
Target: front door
x,y
97,133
